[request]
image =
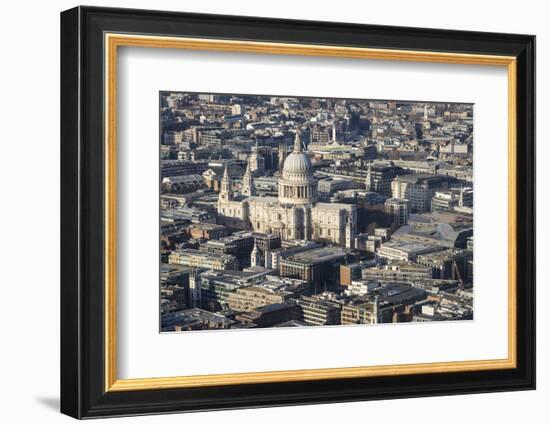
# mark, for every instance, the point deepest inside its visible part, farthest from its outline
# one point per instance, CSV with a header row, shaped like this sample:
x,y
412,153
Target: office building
x,y
398,210
202,259
418,189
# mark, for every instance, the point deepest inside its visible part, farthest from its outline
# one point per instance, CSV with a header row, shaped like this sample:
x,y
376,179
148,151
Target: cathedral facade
x,y
296,213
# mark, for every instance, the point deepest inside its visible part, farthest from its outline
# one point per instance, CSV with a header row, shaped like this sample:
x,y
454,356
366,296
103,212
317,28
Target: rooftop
x,y
318,255
412,247
204,254
190,317
417,177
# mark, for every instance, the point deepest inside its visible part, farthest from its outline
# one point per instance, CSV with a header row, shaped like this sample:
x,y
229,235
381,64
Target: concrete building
x,y
273,257
447,264
266,242
397,271
217,286
319,311
403,251
322,135
419,189
202,259
206,231
388,303
176,167
380,177
270,315
360,288
360,311
320,267
328,186
172,138
193,319
353,271
449,200
239,244
398,209
271,290
250,297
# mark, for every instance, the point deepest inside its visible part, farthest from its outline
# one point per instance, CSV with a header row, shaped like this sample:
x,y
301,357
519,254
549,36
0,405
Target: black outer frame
x,y
82,207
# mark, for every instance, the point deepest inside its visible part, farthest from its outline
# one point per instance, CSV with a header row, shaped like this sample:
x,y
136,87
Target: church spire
x,y
226,191
248,182
225,173
297,143
255,256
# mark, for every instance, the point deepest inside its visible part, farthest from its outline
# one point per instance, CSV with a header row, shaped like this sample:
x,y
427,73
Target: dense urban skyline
x,y
299,211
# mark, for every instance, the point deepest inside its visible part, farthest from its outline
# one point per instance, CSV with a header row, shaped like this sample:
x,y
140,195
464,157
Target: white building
x,y
296,213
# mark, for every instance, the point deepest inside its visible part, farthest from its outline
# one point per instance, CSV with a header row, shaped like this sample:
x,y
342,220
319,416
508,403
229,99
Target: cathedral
x,y
296,213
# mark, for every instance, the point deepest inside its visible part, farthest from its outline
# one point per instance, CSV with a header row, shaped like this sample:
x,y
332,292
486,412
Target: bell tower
x,y
226,191
248,182
255,256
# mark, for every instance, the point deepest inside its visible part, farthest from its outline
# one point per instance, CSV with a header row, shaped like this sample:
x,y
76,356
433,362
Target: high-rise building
x,y
379,178
398,209
320,267
419,189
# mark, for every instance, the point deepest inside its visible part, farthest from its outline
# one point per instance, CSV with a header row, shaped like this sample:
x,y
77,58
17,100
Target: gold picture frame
x,y
91,40
114,41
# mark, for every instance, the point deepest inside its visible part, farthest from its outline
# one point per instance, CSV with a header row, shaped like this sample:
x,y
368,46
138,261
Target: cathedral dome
x,y
297,166
297,185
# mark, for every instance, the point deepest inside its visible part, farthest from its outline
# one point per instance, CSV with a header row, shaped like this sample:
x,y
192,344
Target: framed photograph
x,y
261,212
